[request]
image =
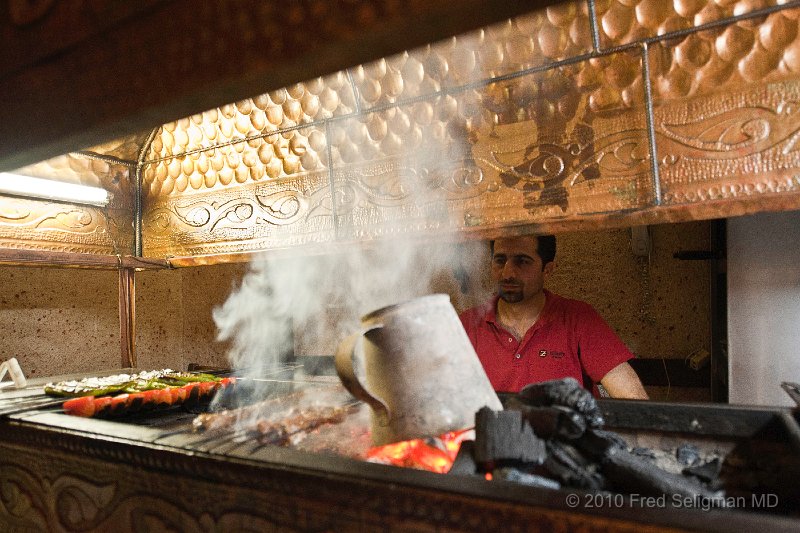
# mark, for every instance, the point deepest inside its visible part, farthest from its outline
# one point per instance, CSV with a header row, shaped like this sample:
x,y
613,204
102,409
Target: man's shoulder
x,y
568,305
478,313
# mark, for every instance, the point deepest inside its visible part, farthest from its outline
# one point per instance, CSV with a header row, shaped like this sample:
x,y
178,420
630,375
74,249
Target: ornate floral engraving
x,y
733,133
50,216
739,146
278,208
544,172
80,503
21,496
39,225
397,182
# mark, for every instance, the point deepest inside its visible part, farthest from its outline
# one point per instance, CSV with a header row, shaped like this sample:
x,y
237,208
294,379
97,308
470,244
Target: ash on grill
x,y
551,435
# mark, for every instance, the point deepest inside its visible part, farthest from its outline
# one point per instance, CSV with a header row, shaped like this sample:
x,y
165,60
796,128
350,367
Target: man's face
x,y
517,269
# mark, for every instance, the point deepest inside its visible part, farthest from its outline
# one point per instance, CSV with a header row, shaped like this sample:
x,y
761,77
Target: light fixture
x,y
42,189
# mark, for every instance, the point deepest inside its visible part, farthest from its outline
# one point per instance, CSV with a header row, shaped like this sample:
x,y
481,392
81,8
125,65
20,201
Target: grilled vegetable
x,y
102,405
83,406
128,393
129,383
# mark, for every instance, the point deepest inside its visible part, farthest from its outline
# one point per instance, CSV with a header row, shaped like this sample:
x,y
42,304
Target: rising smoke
x,y
322,298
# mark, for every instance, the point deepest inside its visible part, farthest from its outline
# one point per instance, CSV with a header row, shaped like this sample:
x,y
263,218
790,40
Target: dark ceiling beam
x,y
129,70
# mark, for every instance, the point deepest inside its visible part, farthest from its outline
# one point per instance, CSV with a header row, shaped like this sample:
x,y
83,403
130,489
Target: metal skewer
x,y
16,409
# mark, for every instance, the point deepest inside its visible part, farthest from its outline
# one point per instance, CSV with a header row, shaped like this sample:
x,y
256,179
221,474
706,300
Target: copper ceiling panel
x,y
726,114
622,22
548,149
529,41
252,118
139,69
254,216
63,227
52,226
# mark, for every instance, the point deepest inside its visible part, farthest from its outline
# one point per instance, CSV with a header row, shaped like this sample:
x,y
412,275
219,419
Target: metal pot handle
x,y
347,352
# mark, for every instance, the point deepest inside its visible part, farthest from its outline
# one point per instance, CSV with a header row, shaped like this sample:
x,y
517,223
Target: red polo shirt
x,y
569,339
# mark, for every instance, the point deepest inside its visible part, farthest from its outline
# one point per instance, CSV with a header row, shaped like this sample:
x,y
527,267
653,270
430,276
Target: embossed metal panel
x,y
553,34
535,121
622,22
251,217
530,148
404,170
265,131
62,227
726,113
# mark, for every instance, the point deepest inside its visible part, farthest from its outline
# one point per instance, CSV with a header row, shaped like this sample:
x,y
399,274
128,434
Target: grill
x,y
65,472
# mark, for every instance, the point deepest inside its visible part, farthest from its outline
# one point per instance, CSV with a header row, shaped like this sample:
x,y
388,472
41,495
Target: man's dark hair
x,y
545,248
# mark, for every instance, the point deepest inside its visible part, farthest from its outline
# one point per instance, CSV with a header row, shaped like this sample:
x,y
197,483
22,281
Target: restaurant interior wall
x,y
763,307
658,305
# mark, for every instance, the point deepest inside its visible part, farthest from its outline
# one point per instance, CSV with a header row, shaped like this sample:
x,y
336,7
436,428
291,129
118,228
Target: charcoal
x,y
464,463
503,436
565,392
598,442
629,473
549,422
687,454
645,453
524,478
707,472
569,466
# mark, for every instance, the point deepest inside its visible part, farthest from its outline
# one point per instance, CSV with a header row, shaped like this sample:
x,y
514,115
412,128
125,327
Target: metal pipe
x,y
127,316
651,129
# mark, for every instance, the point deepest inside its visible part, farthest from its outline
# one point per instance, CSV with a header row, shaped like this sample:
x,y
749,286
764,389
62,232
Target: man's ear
x,y
548,269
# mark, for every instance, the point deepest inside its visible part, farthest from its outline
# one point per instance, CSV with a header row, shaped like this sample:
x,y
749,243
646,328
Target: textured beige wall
x,y
173,313
61,321
658,305
58,321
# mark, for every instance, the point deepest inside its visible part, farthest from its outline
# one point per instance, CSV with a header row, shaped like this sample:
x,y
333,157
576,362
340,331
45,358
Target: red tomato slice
x,y
157,397
150,399
120,399
83,406
164,397
207,388
119,405
102,405
178,395
135,402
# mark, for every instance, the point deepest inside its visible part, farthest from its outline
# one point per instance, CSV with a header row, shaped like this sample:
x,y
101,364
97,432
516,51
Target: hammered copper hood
x,y
578,115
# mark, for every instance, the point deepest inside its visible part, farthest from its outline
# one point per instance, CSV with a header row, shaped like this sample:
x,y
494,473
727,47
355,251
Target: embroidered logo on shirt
x,y
542,353
556,355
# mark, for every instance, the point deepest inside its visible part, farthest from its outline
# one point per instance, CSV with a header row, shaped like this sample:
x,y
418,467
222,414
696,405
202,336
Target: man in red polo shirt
x,y
527,334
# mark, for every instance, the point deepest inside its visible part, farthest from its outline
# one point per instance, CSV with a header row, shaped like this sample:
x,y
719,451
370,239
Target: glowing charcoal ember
x,y
434,455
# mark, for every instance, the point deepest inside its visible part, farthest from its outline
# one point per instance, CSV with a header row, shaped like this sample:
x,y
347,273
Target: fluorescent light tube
x,y
42,189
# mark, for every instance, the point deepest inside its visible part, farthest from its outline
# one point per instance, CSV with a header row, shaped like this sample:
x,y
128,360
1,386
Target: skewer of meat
x,y
283,431
228,419
269,426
